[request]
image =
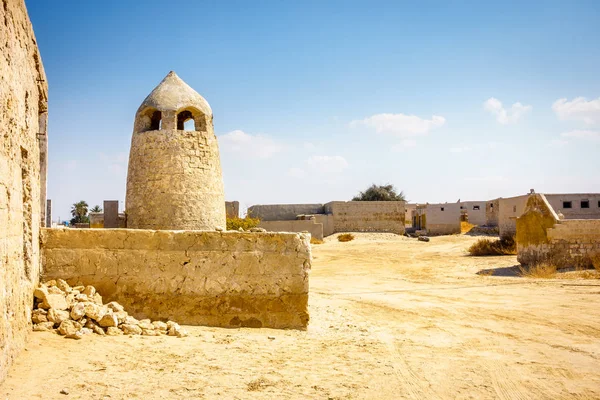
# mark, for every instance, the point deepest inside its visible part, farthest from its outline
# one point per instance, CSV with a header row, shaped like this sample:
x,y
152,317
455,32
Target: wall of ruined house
x,y
441,219
509,209
300,225
576,211
283,212
225,279
491,212
475,211
367,216
409,210
23,115
232,209
174,180
513,207
542,236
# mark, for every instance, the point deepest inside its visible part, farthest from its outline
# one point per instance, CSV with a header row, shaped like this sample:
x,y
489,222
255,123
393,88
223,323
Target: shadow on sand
x,y
513,271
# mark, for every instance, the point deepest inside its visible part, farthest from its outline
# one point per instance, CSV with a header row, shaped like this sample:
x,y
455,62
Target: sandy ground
x,y
391,318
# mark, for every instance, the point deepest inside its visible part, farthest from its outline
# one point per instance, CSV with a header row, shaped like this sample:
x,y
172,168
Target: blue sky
x,y
314,101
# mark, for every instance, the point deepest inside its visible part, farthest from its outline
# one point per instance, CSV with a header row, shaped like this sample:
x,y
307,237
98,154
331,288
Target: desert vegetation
x,y
345,237
246,223
505,245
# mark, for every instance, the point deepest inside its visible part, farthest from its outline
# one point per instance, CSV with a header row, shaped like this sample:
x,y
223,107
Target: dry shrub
x,y
345,237
234,224
314,240
543,269
506,245
466,226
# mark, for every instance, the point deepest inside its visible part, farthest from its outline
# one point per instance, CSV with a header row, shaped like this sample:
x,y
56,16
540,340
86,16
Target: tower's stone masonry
x,y
23,116
174,179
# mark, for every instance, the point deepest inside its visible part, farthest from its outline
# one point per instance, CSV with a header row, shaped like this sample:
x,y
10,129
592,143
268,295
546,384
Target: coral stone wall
x,y
300,225
367,216
23,113
541,236
174,181
226,279
491,212
283,212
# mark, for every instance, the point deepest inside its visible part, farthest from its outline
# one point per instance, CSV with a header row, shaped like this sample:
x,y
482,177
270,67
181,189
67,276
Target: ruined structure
x,y
174,178
336,216
543,235
23,147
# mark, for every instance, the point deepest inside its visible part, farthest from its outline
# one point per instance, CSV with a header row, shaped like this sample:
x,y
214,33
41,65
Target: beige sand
x,y
391,318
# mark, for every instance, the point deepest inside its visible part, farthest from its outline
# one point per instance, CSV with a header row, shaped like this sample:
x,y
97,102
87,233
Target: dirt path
x,y
391,318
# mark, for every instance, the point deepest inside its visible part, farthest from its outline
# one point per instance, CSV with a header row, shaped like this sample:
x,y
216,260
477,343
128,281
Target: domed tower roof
x,y
173,94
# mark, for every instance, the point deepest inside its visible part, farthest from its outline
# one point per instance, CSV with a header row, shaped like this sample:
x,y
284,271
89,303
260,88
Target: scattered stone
x,y
63,285
38,316
258,230
108,320
94,311
69,327
89,291
271,337
113,331
241,229
78,311
114,306
56,301
58,316
43,326
423,239
64,391
219,229
130,329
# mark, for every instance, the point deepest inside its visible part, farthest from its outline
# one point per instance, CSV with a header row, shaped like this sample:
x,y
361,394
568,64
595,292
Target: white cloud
x,y
400,124
582,134
504,116
490,178
404,145
327,164
578,109
250,146
116,163
461,149
558,143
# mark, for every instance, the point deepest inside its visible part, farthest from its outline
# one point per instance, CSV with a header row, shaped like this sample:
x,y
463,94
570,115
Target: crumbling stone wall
x,y
367,216
300,225
542,236
23,114
283,212
226,279
491,212
439,219
475,211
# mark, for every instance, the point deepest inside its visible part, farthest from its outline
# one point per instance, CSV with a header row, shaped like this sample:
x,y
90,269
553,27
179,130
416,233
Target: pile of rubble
x,y
77,311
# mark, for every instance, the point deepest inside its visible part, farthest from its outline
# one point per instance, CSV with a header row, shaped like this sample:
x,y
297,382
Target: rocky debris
x,y
78,311
258,230
423,239
64,391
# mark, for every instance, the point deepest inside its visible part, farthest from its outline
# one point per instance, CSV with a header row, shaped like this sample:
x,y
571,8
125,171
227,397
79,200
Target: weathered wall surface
x,y
327,221
409,210
23,114
226,279
475,211
300,225
232,209
508,210
441,219
283,212
367,216
491,212
576,211
541,236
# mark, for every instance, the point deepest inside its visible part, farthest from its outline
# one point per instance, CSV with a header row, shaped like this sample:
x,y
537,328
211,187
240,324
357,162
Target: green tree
x,y
380,193
79,212
96,209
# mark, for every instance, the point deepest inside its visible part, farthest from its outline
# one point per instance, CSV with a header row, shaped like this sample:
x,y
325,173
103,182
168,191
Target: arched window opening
x,y
149,120
155,121
185,120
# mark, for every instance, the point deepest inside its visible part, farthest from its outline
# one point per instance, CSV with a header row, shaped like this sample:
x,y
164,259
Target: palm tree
x,y
79,212
96,209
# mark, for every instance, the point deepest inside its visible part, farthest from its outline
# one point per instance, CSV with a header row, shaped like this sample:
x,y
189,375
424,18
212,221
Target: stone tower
x,y
174,179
